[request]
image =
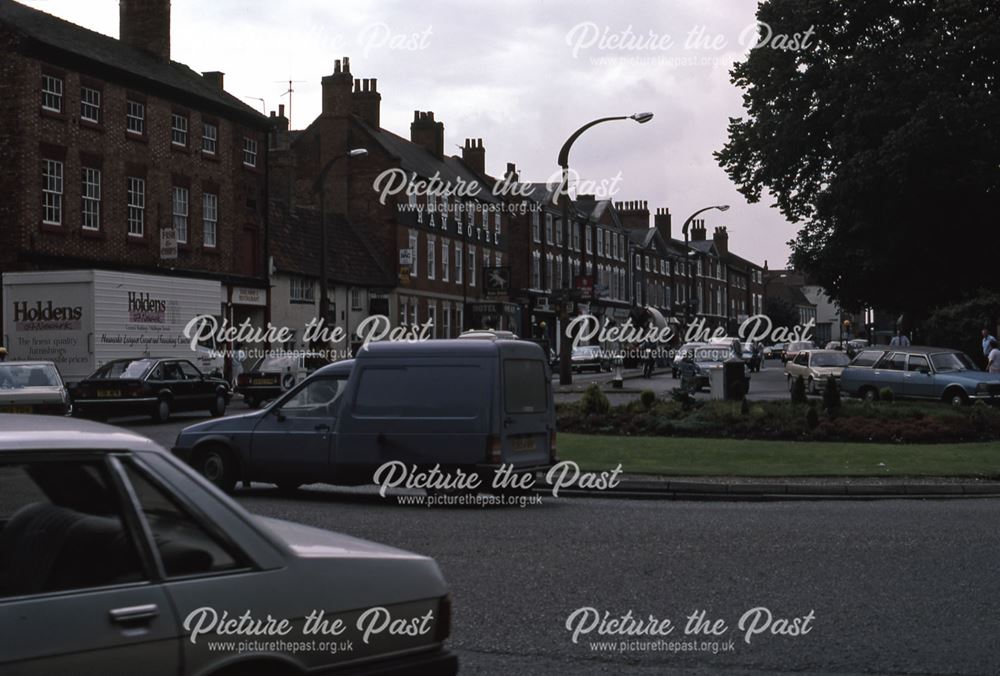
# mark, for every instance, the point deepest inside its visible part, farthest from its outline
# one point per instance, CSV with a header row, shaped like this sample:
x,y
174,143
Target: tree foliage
x,y
880,138
781,312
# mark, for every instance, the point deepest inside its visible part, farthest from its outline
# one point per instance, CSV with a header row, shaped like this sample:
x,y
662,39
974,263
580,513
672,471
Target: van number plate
x,y
522,443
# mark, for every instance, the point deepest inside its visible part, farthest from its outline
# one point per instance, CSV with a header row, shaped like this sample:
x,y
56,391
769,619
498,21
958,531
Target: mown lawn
x,y
734,457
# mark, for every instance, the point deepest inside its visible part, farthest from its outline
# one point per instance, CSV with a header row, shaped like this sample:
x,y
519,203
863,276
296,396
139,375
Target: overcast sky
x,y
520,74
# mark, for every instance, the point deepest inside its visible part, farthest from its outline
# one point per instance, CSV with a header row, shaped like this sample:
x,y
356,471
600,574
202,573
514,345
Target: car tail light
x,y
552,446
494,450
243,380
443,628
134,390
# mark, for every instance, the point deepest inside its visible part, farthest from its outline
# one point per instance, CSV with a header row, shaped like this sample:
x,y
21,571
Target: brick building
x,y
108,144
438,247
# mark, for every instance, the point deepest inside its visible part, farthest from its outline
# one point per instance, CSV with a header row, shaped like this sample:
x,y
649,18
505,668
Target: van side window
x,y
524,386
431,391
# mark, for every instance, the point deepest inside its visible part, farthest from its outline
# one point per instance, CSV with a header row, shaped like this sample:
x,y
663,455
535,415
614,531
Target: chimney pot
x,y
214,78
347,65
281,110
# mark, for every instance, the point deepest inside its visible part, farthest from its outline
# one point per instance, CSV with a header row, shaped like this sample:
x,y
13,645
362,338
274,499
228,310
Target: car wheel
x,y
869,394
162,411
217,465
219,407
956,397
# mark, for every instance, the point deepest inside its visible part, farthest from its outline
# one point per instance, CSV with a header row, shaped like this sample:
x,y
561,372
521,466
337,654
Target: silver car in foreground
x,y
116,558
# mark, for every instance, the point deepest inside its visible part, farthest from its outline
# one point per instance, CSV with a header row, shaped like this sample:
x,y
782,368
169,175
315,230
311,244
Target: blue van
x,y
469,404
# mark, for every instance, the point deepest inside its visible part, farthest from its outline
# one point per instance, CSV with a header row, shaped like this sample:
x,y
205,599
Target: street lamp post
x,y
320,187
684,229
565,371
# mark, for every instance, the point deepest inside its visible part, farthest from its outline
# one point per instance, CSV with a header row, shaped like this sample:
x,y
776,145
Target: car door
x,y
292,440
201,392
888,372
180,390
76,589
918,380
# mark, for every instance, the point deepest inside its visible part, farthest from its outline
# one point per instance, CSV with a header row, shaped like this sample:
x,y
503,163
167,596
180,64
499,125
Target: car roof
x,y
450,347
27,363
914,349
337,368
56,433
822,352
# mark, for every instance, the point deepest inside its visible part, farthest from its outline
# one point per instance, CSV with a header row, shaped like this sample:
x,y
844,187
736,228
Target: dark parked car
x,y
274,374
921,373
148,386
116,558
589,358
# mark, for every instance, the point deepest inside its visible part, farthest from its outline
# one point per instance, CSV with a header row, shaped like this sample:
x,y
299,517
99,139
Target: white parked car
x,y
116,558
32,387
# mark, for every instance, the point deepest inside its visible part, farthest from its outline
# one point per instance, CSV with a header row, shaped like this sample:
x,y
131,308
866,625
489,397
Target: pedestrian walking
x,y
899,340
987,339
993,357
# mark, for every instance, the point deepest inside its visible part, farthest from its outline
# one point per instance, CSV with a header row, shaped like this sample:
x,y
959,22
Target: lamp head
x,y
642,118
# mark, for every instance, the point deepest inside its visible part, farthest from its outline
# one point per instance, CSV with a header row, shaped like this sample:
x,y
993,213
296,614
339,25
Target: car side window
x,y
917,362
189,370
802,359
184,545
156,373
171,371
317,398
895,361
61,528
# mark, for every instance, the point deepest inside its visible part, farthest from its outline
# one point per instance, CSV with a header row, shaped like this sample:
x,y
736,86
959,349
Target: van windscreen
x,y
524,386
432,391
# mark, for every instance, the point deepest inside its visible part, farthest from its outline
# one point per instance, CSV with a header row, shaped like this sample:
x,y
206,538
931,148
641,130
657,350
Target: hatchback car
x,y
815,367
696,369
917,372
274,374
148,386
32,387
116,558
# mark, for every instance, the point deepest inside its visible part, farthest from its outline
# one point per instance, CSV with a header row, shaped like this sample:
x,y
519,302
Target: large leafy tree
x,y
881,138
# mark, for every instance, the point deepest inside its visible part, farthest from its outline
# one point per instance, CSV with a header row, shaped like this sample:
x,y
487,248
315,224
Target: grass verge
x,y
736,457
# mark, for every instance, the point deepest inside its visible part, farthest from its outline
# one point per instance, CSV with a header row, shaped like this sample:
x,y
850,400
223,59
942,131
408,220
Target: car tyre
x,y
869,394
162,411
216,464
218,406
956,397
812,385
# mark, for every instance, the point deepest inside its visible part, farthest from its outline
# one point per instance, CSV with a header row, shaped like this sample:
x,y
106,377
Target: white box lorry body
x,y
81,319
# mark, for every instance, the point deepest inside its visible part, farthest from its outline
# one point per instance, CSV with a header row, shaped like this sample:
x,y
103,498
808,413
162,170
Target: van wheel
x,y
869,394
216,464
219,406
162,411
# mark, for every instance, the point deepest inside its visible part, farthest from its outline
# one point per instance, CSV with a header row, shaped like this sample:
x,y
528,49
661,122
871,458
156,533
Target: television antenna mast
x,y
289,92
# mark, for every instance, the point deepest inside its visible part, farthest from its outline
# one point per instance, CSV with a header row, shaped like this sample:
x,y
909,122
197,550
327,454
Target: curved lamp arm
x,y
684,228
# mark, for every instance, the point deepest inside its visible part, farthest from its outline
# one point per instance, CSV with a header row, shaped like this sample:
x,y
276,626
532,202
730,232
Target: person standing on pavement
x,y
899,340
993,357
987,339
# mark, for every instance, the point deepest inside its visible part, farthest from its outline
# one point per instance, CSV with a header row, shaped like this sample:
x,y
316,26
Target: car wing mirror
x,y
926,371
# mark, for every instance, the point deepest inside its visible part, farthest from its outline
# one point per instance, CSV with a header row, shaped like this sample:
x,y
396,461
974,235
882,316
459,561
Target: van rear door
x,y
527,410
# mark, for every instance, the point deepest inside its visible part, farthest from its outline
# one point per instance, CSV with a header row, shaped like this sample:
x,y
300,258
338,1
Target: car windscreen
x,y
585,351
952,361
275,364
524,386
20,376
135,368
422,391
712,353
828,360
800,345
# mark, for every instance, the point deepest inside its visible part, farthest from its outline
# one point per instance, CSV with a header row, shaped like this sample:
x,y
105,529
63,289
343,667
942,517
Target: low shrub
x,y
594,401
812,417
831,397
886,394
647,399
799,391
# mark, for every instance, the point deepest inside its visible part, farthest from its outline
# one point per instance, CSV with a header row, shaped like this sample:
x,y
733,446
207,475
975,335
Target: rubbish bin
x,y
717,383
735,379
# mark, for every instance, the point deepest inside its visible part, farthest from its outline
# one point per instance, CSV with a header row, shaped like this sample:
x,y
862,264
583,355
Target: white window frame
x,y
445,260
536,270
432,312
90,193
431,257
548,229
136,206
52,93
135,117
210,219
446,311
459,264
536,226
600,241
415,253
301,289
249,152
209,139
180,202
52,192
472,266
90,104
178,130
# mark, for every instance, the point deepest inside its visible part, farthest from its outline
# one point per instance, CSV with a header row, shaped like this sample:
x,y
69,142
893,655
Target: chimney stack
x,y
661,221
145,25
367,101
474,155
698,230
634,214
511,173
428,133
337,90
721,239
214,78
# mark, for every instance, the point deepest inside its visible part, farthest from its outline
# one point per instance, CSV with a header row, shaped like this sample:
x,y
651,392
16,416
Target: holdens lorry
x,y
80,319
